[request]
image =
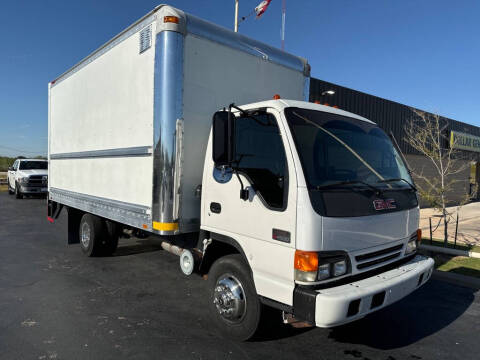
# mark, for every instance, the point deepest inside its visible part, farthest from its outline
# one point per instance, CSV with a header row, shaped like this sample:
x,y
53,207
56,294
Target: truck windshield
x,y
339,149
33,165
349,163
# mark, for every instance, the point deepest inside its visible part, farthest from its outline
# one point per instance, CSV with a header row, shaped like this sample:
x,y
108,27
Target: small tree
x,y
427,133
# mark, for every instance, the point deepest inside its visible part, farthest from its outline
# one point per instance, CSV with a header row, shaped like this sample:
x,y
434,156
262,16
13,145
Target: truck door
x,y
11,174
264,224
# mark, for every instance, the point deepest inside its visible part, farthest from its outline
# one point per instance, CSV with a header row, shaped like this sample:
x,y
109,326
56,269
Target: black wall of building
x,y
392,117
389,115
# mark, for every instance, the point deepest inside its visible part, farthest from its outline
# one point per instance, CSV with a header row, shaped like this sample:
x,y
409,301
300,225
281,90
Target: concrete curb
x,y
448,251
457,279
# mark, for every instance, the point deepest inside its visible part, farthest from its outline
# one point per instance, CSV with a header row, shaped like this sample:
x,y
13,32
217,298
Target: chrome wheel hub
x,y
229,298
85,238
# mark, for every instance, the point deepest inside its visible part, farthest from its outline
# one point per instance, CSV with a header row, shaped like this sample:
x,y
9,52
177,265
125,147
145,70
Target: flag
x,y
262,7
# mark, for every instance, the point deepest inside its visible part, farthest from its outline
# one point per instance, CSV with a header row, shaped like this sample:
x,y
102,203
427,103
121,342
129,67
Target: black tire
x,y
10,190
91,232
244,324
110,242
18,193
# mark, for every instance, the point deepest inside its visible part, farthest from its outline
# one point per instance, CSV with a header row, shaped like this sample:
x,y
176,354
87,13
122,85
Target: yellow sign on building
x,y
464,141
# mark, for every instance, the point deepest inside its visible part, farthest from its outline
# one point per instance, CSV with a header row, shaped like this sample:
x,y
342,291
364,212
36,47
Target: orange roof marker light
x,y
276,97
171,19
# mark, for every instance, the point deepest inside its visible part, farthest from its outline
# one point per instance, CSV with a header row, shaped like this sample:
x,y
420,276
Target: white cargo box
x,y
129,124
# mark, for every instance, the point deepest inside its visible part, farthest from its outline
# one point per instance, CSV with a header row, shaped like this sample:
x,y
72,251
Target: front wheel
x,y
10,189
233,302
18,193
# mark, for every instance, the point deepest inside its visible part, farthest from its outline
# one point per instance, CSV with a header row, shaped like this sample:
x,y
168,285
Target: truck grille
x,y
37,180
378,257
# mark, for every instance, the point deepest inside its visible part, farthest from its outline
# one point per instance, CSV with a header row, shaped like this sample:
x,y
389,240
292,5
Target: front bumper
x,y
26,189
346,303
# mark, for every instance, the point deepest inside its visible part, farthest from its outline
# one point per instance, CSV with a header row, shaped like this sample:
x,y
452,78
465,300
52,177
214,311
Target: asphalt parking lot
x,y
57,304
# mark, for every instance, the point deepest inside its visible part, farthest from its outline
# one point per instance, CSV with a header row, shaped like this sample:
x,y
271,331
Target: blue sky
x,y
421,53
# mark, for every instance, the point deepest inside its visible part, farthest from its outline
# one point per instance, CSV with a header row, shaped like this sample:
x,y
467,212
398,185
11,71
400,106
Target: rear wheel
x,y
18,193
233,302
91,231
110,242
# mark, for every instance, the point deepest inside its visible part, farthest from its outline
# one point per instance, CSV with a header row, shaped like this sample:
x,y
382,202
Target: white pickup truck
x,y
282,203
28,176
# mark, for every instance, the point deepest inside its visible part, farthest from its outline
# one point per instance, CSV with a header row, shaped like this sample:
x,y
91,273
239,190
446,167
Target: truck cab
x,y
28,176
321,208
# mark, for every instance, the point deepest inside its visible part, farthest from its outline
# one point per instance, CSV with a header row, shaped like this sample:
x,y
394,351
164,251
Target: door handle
x,y
215,207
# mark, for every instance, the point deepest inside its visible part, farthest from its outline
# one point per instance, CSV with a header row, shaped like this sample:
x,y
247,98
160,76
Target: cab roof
x,y
281,104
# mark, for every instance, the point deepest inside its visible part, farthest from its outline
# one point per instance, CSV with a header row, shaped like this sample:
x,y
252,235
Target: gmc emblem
x,y
380,204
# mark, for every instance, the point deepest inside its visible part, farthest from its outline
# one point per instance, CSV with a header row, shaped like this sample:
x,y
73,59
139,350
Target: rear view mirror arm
x,y
232,105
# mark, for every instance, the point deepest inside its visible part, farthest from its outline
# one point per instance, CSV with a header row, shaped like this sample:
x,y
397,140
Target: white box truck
x,y
280,203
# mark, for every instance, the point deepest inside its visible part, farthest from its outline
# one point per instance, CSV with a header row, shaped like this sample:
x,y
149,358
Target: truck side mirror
x,y
223,138
10,168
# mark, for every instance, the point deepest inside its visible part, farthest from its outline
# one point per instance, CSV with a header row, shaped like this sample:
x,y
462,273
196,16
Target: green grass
x,y
3,187
459,264
459,246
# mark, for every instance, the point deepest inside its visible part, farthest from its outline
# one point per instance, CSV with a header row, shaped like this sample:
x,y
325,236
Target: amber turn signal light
x,y
306,260
419,235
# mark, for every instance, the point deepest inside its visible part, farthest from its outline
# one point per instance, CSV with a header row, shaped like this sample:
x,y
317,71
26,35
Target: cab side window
x,y
260,156
15,165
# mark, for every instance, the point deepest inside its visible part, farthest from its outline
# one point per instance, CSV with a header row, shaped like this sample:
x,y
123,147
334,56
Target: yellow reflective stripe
x,y
164,226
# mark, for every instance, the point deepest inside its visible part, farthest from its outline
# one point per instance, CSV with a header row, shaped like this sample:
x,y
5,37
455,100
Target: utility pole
x,y
284,10
236,16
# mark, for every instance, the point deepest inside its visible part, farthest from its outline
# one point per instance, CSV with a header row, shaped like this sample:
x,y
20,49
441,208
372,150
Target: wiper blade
x,y
341,183
398,179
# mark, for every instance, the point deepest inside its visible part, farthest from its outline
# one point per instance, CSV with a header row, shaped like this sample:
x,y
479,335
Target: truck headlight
x,y
323,271
312,266
23,180
340,268
411,245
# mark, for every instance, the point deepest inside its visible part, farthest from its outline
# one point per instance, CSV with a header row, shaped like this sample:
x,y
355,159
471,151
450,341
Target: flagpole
x,y
236,16
284,8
